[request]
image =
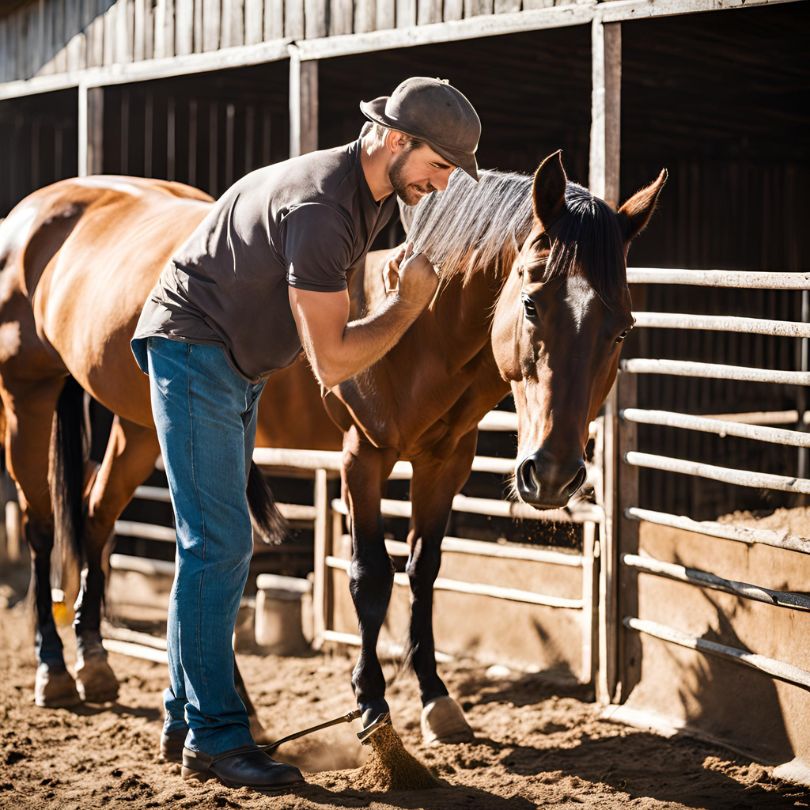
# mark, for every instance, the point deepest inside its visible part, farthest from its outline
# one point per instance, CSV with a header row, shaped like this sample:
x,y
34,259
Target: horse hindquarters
x,y
371,577
435,483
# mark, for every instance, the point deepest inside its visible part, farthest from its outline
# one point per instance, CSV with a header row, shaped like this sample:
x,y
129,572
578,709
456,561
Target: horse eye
x,y
529,308
622,336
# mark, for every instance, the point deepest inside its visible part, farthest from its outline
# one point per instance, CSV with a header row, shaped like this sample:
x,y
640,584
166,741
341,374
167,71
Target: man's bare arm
x,y
338,349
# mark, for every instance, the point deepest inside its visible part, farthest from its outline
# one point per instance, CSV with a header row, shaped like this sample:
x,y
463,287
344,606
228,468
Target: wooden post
x,y
303,104
606,79
604,183
91,129
606,668
590,602
323,548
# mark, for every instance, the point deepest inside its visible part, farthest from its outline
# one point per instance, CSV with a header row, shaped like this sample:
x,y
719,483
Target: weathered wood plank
x,y
293,18
73,40
168,28
183,27
109,35
95,33
365,16
4,50
406,13
341,17
211,24
529,5
160,28
138,32
149,30
606,49
303,104
273,19
386,14
39,37
91,130
60,54
429,11
316,18
123,31
233,23
253,21
474,8
506,6
453,9
197,38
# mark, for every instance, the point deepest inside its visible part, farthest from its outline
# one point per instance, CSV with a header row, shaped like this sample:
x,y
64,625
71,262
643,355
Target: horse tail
x,y
268,520
67,482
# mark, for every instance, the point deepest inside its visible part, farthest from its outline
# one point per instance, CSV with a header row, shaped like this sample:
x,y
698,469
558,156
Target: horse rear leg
x,y
371,577
128,460
29,414
436,480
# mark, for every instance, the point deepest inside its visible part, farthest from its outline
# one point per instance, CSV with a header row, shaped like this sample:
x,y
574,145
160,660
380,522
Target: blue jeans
x,y
205,415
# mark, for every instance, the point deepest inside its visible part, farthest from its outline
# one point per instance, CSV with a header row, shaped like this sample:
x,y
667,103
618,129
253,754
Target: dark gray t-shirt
x,y
301,223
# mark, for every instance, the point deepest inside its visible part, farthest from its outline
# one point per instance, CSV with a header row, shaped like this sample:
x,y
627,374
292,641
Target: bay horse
x,y
533,297
533,284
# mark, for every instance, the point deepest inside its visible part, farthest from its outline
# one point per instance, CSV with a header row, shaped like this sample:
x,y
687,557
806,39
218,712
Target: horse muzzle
x,y
546,483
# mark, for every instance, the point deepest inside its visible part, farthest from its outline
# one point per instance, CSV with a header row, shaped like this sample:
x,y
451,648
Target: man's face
x,y
414,172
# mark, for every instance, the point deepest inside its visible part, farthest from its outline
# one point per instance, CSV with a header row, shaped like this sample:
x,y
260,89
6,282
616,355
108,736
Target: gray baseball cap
x,y
435,112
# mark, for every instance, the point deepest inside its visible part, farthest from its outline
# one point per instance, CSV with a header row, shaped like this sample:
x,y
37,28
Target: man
x,y
262,276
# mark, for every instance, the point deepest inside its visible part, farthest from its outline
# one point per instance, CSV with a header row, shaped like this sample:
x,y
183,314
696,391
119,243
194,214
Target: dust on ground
x,y
537,745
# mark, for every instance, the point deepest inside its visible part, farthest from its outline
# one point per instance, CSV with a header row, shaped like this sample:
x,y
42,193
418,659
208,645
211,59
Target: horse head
x,y
559,324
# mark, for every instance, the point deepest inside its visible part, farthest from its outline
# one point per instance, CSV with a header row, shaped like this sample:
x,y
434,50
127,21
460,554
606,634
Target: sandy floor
x,y
537,745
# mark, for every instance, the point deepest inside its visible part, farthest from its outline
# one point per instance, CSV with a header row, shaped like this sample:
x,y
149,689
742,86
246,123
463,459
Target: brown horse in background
x,y
77,260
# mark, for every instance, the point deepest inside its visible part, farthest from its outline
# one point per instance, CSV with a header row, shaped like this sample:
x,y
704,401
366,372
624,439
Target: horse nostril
x,y
527,474
577,481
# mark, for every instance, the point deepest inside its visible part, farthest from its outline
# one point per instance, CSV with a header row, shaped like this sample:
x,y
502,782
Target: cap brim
x,y
374,110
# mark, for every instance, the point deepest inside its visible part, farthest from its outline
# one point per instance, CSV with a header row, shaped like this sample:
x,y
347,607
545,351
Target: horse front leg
x,y
371,576
128,460
436,480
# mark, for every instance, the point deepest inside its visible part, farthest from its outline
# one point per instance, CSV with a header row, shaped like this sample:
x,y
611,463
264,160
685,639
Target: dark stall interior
x,y
722,101
207,130
38,142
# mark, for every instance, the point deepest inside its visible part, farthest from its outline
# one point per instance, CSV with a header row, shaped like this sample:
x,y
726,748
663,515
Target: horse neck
x,y
463,309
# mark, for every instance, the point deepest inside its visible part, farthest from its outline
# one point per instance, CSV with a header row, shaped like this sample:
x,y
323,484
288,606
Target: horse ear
x,y
636,212
548,193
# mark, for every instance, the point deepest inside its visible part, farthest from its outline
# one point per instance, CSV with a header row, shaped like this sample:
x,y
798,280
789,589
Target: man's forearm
x,y
366,340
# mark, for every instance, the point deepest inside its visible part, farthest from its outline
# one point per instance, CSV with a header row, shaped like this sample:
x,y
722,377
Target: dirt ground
x,y
537,745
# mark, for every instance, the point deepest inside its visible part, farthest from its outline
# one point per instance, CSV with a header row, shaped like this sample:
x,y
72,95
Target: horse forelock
x,y
587,241
472,226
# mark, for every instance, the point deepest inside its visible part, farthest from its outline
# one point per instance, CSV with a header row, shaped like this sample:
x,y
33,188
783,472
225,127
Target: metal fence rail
x,y
749,426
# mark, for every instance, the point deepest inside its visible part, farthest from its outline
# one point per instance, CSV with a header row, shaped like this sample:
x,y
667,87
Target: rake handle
x,y
344,718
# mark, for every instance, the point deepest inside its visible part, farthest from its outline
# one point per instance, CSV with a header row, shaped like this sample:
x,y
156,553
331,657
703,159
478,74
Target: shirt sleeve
x,y
317,247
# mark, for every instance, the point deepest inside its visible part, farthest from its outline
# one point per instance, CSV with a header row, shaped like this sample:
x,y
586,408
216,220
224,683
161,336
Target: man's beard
x,y
409,194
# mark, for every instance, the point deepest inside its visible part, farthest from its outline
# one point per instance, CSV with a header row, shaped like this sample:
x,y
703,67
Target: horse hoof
x,y
54,689
443,721
95,680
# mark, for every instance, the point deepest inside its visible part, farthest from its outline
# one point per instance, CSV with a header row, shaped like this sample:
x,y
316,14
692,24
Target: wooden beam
x,y
606,78
91,129
303,104
451,31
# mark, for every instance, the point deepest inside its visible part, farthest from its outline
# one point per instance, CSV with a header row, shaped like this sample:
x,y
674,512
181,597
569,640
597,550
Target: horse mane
x,y
472,226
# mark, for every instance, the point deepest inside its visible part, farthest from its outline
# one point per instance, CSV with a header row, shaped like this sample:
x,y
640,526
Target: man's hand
x,y
418,280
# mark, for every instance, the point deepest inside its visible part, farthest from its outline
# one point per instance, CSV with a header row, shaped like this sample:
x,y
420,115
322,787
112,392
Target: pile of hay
x,y
391,767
